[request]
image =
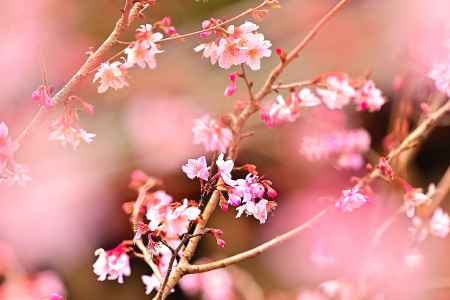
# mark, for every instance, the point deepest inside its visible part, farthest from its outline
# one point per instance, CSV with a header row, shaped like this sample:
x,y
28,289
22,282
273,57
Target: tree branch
x,y
257,250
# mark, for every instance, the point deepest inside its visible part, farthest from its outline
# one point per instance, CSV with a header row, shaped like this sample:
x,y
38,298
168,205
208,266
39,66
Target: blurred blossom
x,y
157,124
213,285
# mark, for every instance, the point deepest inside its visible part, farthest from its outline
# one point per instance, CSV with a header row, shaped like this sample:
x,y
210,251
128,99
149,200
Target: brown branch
x,y
257,250
292,85
129,13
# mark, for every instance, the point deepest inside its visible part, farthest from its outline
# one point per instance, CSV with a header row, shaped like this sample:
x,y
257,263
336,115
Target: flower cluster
x,y
10,171
212,134
113,264
42,96
234,46
67,129
351,199
438,225
345,148
335,92
250,194
440,73
141,52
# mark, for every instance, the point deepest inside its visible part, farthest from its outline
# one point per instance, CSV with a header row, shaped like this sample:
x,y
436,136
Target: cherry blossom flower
x,y
151,283
112,265
196,168
256,49
178,219
225,168
68,135
42,96
280,111
440,223
338,94
308,98
210,50
147,36
16,174
7,147
237,46
157,208
441,76
211,134
351,199
140,54
110,76
416,198
344,147
67,130
369,98
257,210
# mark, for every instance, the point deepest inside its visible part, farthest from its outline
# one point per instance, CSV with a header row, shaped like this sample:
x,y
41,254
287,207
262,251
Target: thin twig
x,y
257,250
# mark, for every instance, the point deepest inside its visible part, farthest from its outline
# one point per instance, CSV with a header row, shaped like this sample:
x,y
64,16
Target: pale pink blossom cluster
x,y
42,96
66,129
416,197
335,92
345,148
235,45
212,134
440,73
140,52
214,285
249,195
438,225
113,264
196,168
351,199
11,172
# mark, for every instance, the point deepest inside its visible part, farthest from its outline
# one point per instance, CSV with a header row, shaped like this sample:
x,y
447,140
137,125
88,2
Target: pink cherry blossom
x,y
369,98
42,96
441,76
308,98
211,134
416,197
7,147
140,54
225,168
157,208
112,265
338,94
68,135
344,148
351,199
196,168
237,46
110,76
151,283
178,219
256,49
147,36
257,210
440,223
280,111
210,50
